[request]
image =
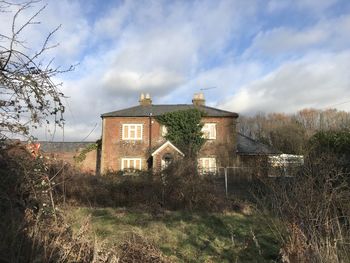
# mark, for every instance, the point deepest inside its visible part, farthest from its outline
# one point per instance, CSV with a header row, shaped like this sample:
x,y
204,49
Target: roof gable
x,y
167,143
249,146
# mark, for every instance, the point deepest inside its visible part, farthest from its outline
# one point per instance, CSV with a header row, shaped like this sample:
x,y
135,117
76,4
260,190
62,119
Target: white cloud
x,y
112,23
282,40
167,40
71,37
311,6
317,80
172,49
155,48
315,5
74,34
277,5
162,52
130,82
217,82
325,34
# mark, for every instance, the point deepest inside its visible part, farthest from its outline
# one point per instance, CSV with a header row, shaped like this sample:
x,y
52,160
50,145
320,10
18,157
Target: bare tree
x,y
28,94
289,132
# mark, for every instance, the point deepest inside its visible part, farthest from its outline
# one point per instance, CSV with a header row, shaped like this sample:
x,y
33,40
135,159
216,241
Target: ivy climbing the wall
x,y
184,130
82,155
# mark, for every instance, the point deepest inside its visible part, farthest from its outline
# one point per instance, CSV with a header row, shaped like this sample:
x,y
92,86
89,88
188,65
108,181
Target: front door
x,y
166,160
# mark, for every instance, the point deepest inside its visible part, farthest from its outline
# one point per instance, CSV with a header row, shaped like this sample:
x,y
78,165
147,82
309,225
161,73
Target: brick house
x,y
133,139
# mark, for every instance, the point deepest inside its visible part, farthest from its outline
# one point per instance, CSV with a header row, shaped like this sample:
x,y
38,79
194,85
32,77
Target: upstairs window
x,y
131,164
209,131
132,131
164,130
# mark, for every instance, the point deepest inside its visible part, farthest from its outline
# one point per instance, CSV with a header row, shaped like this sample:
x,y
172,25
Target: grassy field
x,y
184,236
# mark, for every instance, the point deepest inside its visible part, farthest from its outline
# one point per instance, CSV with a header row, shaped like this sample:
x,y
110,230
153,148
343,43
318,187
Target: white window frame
x,y
207,128
212,165
164,130
128,161
132,126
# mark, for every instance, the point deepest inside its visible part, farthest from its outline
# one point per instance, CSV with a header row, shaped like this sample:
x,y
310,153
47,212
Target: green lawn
x,y
184,236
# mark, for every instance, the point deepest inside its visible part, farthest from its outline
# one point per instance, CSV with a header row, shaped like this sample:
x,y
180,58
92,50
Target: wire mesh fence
x,y
236,179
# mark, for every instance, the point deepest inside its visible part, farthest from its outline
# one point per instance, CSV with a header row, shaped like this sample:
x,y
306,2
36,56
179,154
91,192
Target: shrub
x,y
183,188
32,229
314,210
111,190
178,187
138,249
332,143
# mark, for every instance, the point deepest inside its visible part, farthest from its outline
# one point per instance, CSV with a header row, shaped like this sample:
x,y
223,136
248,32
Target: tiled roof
x,y
249,146
156,110
47,146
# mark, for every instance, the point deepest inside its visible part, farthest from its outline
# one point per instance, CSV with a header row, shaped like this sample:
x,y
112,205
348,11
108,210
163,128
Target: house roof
x,y
156,110
167,143
48,146
249,146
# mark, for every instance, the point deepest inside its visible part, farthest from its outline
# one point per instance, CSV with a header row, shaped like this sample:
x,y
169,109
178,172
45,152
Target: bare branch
x,y
28,95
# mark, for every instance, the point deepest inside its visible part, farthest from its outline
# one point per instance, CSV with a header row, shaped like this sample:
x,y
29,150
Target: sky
x,y
246,56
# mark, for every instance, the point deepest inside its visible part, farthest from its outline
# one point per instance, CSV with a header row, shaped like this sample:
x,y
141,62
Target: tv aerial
x,y
208,88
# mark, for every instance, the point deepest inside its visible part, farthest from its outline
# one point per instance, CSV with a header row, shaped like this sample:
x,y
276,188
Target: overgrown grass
x,y
185,236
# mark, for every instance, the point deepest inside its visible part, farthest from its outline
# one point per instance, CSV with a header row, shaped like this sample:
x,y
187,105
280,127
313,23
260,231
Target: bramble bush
x,y
32,227
176,188
313,206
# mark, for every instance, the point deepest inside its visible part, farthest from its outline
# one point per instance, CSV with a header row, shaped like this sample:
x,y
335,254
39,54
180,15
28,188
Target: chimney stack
x,y
145,100
198,99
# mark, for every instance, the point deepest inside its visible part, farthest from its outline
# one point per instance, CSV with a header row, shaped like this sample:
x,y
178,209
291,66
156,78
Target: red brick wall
x,y
87,165
114,148
223,148
66,151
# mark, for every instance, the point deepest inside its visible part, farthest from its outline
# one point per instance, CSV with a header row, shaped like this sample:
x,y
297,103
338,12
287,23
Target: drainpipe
x,y
150,139
102,166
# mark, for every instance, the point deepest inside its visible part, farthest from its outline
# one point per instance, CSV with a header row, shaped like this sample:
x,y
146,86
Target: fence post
x,y
225,168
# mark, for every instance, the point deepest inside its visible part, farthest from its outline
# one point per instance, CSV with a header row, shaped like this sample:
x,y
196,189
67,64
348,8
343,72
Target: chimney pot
x,y
198,99
145,100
